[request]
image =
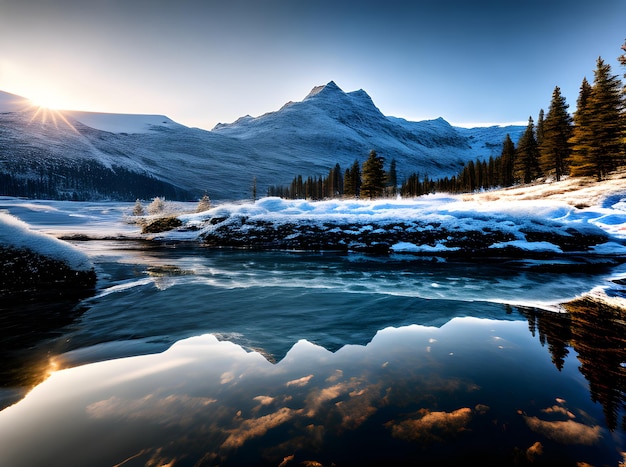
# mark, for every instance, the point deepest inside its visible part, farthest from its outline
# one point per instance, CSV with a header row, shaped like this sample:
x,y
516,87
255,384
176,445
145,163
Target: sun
x,y
46,97
47,109
47,102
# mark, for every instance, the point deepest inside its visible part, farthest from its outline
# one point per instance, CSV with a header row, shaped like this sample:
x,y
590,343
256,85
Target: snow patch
x,y
15,233
609,249
407,247
529,246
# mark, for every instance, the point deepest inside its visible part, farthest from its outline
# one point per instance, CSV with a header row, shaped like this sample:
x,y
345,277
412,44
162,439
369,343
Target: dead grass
x,y
578,192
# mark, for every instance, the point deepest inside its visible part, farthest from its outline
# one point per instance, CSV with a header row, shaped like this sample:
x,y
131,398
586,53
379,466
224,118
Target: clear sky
x,y
204,62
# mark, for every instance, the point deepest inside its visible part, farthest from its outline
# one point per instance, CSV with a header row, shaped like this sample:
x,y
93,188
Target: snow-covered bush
x,y
157,206
138,209
204,204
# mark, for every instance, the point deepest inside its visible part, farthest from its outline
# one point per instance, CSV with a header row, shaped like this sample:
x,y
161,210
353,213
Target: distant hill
x,y
88,155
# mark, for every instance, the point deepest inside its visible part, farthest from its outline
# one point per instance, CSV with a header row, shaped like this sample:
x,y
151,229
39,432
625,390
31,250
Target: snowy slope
x,y
331,126
308,137
121,123
12,103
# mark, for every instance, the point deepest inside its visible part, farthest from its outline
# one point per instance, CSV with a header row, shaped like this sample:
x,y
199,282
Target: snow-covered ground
x,y
594,208
17,234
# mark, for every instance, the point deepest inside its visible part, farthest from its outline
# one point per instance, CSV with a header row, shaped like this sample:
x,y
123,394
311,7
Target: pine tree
x,y
581,135
555,149
348,189
597,140
298,191
373,184
507,162
352,181
540,126
526,166
411,187
622,60
491,173
335,182
392,179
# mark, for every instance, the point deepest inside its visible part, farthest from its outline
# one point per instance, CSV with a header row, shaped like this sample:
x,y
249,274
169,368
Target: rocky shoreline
x,y
422,238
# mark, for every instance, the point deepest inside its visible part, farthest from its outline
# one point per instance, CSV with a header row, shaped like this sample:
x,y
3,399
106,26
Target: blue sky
x,y
204,62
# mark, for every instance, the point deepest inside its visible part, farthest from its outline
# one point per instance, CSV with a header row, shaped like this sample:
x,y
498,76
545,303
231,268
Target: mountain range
x,y
88,155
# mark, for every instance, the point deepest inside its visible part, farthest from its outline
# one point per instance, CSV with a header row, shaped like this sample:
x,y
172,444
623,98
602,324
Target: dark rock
x,y
379,238
26,273
162,224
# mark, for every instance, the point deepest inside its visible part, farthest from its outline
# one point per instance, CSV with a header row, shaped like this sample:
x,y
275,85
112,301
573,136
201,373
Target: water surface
x,y
194,356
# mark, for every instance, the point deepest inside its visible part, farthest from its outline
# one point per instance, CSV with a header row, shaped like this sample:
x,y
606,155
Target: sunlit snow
x,y
17,234
600,211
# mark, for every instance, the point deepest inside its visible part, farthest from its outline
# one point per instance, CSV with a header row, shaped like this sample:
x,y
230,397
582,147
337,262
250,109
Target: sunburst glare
x,y
46,110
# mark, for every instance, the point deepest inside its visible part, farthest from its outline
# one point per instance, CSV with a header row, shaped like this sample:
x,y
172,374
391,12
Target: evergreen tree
x,y
373,184
581,135
507,163
352,181
348,189
411,187
392,179
622,60
356,178
597,143
492,180
335,182
526,165
555,148
298,188
540,126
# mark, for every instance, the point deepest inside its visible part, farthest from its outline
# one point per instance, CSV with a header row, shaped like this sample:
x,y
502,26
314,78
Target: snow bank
x,y
448,211
426,225
16,234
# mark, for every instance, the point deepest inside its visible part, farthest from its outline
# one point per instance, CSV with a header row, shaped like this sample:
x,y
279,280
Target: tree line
x,y
589,143
370,180
84,180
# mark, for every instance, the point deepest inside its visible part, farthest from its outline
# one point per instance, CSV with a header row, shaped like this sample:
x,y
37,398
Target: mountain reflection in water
x,y
478,390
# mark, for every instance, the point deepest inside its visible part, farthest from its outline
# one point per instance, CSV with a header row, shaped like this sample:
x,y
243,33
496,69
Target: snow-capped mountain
x,y
87,154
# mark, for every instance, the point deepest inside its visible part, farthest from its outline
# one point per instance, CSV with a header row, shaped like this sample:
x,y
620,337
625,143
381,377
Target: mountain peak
x,y
330,87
